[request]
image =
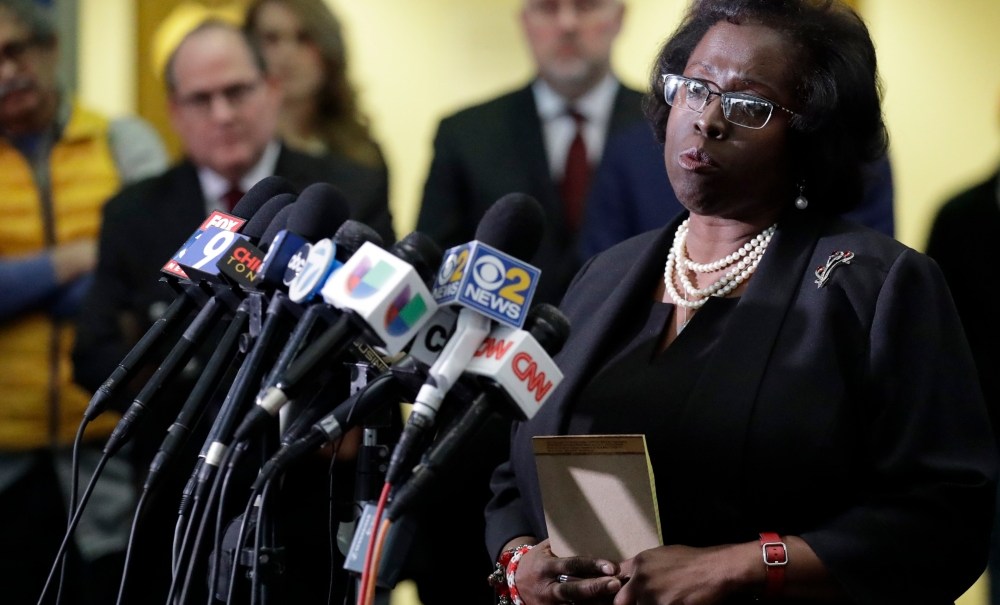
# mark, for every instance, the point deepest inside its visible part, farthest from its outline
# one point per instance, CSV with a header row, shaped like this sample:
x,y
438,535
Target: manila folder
x,y
598,495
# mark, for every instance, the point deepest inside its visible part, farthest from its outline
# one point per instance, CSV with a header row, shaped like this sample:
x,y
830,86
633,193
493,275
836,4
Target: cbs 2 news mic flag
x,y
480,277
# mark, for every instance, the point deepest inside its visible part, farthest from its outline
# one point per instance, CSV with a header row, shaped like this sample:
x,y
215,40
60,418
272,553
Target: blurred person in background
x,y
303,46
59,162
962,241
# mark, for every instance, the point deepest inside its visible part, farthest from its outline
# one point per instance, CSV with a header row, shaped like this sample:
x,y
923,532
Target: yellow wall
x,y
415,61
940,65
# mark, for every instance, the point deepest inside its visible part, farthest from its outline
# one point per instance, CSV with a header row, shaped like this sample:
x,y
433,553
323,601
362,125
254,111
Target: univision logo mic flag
x,y
385,291
490,282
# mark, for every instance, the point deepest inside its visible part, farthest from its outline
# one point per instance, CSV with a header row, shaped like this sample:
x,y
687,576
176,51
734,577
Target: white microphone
x,y
488,282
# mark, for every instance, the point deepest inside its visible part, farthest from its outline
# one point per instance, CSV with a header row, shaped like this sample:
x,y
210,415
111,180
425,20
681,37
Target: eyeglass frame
x,y
235,95
15,50
722,98
582,8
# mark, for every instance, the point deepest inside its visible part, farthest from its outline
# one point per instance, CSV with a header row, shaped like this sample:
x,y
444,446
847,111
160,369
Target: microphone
x,y
488,283
316,213
184,349
188,298
241,263
252,370
383,298
517,375
248,206
382,390
199,259
320,206
347,240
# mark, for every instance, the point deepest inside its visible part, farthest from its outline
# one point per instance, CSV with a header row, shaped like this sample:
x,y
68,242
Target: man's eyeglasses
x,y
749,111
15,50
235,95
550,9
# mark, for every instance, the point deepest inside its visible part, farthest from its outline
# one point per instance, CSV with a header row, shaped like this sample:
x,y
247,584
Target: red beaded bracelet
x,y
502,578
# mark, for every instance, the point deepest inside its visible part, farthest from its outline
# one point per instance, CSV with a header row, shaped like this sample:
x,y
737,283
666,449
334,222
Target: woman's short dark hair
x,y
837,93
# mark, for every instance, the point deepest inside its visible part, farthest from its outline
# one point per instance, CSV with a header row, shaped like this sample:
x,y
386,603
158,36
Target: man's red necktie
x,y
576,178
231,197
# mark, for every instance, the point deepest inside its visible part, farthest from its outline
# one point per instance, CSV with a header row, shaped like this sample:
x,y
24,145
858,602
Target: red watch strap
x,y
775,555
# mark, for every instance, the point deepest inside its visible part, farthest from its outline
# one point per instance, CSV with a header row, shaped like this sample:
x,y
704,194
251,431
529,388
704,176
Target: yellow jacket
x,y
39,403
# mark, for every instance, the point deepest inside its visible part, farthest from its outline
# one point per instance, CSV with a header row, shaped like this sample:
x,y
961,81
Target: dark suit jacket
x,y
963,241
145,223
846,414
485,152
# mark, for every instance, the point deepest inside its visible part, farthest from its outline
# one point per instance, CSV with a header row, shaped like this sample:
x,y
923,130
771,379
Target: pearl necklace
x,y
741,263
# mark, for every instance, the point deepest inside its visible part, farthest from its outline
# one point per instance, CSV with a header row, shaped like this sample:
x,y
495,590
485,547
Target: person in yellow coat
x,y
59,162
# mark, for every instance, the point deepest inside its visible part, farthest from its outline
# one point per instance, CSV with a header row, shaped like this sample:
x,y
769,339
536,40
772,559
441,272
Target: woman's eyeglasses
x,y
742,109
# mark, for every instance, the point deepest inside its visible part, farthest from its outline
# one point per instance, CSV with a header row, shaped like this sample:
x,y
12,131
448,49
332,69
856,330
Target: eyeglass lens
x,y
15,49
740,109
235,96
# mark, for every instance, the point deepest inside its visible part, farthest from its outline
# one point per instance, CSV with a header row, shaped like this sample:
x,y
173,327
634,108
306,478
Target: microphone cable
x,y
71,527
188,420
74,487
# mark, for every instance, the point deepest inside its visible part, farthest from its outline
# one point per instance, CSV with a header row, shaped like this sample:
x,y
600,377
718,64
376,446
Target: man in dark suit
x,y
961,241
521,140
225,109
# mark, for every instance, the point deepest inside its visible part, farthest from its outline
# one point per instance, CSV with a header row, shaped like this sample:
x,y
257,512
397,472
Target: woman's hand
x,y
682,574
589,580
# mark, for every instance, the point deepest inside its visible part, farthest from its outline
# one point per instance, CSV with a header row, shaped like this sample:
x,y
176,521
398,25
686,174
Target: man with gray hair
x,y
59,162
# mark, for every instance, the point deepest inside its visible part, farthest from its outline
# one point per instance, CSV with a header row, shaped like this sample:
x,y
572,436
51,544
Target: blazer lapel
x,y
587,349
725,394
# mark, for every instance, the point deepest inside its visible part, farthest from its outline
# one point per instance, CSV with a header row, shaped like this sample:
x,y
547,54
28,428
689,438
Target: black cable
x,y
74,486
219,518
254,493
128,549
331,524
71,528
179,551
203,521
258,532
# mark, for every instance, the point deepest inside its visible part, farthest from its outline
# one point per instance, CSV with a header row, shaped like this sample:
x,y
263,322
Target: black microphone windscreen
x,y
259,222
421,252
549,326
279,222
513,225
352,235
320,210
259,194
